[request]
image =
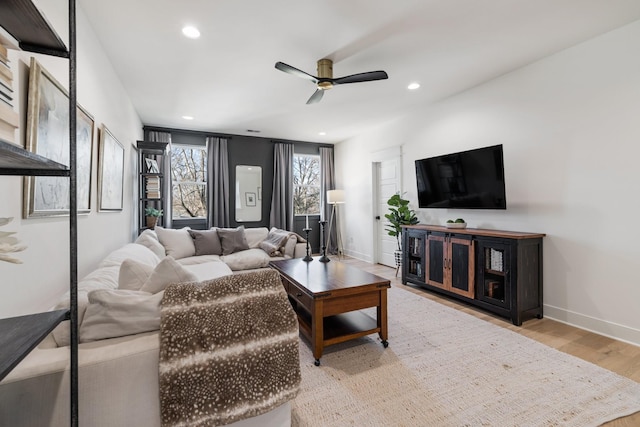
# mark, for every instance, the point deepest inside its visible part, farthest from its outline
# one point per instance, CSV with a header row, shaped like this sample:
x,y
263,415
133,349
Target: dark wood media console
x,y
498,271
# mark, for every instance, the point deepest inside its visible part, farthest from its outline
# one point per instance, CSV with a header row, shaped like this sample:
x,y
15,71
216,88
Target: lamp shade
x,y
335,197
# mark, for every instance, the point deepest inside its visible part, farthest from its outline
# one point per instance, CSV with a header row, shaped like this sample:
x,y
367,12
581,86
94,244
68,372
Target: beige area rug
x,y
447,368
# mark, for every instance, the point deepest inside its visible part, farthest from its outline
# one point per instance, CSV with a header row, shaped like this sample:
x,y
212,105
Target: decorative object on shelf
x,y
308,257
152,215
111,172
9,119
399,215
458,223
152,166
48,137
335,198
324,257
9,243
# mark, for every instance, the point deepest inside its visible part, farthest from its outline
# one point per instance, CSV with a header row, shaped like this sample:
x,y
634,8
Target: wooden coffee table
x,y
328,298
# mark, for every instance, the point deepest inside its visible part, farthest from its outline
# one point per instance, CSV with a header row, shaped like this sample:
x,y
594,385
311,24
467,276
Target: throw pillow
x,y
206,242
133,274
117,312
166,272
177,243
232,240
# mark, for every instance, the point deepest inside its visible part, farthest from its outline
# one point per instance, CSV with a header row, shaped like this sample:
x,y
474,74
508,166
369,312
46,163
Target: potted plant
x,y
152,216
399,214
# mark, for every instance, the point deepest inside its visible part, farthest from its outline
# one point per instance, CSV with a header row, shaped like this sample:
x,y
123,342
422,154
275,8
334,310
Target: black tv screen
x,y
471,179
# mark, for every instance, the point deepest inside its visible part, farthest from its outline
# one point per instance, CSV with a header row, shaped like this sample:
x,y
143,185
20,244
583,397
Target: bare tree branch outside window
x,y
306,185
189,181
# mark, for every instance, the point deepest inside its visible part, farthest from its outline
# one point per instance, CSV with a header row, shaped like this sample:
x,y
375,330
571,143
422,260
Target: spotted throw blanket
x,y
228,349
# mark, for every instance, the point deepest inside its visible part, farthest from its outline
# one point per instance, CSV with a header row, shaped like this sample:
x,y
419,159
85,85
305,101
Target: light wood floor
x,y
616,356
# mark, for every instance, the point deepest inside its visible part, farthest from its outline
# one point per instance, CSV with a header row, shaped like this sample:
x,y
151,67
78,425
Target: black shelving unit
x,y
151,184
20,335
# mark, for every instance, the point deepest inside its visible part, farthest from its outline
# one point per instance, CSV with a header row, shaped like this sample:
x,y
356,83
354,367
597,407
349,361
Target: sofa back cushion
x,y
149,239
206,242
255,236
130,250
177,243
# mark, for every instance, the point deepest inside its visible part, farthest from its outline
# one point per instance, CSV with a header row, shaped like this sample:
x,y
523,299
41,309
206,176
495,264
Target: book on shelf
x,y
5,73
3,50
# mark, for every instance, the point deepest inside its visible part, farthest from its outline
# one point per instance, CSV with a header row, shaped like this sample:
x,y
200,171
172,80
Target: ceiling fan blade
x,y
361,77
293,70
316,97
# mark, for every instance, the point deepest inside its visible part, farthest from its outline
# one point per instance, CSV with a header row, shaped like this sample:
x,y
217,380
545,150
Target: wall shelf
x,y
16,160
24,22
20,335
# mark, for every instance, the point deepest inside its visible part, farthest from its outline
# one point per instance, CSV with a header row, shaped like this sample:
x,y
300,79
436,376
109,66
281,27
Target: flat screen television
x,y
471,179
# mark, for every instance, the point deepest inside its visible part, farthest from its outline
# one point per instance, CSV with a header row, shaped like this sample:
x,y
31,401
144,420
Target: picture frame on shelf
x,y
110,172
47,134
152,165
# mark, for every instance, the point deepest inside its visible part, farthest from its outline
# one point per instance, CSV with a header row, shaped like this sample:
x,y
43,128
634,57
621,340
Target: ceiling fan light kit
x,y
325,81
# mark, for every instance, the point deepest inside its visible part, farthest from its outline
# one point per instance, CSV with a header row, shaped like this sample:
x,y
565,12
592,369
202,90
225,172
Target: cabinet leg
x,y
317,362
385,343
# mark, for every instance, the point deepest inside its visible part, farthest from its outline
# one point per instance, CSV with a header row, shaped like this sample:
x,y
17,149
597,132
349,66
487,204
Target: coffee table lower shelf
x,y
340,327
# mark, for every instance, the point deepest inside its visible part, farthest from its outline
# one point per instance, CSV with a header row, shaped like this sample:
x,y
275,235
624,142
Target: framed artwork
x,y
250,199
152,166
48,135
110,173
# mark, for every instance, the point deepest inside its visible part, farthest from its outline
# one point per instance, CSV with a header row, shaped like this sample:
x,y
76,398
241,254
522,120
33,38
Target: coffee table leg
x,y
382,317
317,332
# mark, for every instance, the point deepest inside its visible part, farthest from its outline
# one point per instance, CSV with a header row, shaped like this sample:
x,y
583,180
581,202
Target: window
x,y
188,181
306,184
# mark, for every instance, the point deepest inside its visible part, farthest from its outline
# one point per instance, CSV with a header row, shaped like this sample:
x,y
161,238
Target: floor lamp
x,y
335,198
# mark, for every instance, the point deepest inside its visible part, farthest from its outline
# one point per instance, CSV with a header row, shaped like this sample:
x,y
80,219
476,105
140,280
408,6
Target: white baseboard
x,y
358,255
591,324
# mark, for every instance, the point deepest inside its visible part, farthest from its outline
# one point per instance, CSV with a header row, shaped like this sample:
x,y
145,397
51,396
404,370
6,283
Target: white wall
x,y
44,275
569,126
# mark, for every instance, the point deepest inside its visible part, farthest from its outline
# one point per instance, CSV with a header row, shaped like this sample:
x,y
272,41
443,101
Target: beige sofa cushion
x,y
247,259
177,243
117,312
166,272
133,274
149,239
255,236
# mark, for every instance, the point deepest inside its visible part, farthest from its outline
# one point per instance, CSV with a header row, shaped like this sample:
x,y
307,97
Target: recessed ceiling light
x,y
413,86
191,32
322,133
187,117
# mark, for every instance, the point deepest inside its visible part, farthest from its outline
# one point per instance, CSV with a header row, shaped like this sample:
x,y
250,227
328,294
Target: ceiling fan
x,y
325,81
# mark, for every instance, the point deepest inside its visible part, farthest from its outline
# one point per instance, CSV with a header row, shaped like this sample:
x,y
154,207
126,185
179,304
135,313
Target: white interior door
x,y
388,179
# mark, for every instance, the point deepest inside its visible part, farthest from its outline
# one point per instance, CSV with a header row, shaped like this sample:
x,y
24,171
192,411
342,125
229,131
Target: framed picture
x,y
250,199
152,166
48,135
111,172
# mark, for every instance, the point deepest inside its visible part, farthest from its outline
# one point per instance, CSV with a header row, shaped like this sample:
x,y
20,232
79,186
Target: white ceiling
x,y
226,79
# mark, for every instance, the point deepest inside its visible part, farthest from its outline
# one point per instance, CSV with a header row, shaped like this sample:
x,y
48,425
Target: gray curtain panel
x,y
218,179
282,196
328,182
156,136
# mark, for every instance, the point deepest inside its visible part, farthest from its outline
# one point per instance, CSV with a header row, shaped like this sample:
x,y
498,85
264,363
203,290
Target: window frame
x,y
319,186
193,222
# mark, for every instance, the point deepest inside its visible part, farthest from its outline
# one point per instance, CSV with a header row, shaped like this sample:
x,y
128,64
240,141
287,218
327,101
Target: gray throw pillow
x,y
232,240
206,242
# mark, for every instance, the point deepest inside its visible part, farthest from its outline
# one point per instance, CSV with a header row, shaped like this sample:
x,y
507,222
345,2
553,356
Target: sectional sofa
x,y
118,311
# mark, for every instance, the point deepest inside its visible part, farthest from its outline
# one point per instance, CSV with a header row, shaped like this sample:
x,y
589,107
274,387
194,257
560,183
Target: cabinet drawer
x,y
296,293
